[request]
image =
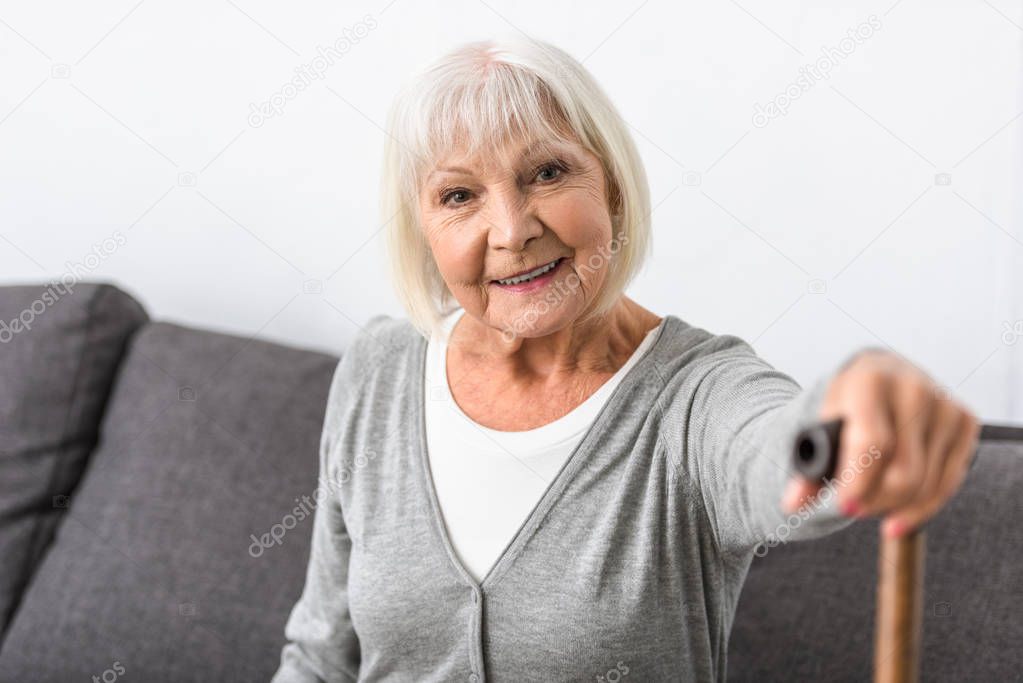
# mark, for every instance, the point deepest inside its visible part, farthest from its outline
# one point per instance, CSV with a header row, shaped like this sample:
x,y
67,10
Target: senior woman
x,y
534,477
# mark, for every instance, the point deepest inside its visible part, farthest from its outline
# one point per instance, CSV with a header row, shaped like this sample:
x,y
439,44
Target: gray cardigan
x,y
628,568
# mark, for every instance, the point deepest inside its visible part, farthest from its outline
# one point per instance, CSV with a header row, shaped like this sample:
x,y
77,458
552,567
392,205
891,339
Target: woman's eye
x,y
454,193
552,171
545,174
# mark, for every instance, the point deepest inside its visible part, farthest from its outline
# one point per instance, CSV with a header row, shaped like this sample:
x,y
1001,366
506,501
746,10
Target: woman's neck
x,y
599,346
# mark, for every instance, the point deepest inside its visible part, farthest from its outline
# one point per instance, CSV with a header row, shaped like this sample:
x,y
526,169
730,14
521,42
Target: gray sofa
x,y
143,465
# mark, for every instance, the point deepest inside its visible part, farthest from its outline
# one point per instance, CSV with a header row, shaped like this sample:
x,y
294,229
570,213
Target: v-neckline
x,y
550,495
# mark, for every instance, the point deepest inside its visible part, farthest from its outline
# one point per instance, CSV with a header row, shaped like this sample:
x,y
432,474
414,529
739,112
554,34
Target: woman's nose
x,y
511,223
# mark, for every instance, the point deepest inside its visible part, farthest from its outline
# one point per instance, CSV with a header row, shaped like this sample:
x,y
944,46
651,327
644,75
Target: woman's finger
x,y
943,429
868,429
798,492
912,401
955,465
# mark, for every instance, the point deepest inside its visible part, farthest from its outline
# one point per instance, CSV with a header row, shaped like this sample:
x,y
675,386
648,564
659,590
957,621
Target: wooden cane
x,y
898,626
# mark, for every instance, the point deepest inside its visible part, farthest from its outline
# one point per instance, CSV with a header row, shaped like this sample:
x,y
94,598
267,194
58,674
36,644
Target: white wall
x,y
135,117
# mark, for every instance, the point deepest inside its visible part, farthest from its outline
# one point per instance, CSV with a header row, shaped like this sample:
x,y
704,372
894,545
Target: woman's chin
x,y
538,319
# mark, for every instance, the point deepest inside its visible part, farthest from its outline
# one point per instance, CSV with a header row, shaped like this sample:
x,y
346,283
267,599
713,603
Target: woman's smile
x,y
531,280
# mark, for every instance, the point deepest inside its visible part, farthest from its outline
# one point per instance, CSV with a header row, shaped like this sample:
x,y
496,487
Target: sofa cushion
x,y
209,441
806,611
60,346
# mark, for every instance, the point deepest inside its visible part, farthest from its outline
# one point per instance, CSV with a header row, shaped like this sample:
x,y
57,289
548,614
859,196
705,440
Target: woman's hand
x,y
904,448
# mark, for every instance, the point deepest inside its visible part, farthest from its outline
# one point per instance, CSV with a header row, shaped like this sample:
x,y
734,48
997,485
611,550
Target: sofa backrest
x,y
210,440
60,347
806,611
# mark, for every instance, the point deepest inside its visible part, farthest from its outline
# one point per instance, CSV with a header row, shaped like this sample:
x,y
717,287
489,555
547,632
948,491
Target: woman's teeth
x,y
531,275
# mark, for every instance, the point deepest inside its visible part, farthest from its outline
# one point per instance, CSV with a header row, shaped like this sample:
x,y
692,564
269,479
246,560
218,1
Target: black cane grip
x,y
815,452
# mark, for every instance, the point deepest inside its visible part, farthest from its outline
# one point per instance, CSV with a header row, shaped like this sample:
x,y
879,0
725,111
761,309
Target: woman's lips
x,y
535,283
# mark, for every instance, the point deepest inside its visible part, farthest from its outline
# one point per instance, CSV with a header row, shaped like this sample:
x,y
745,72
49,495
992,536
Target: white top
x,y
487,480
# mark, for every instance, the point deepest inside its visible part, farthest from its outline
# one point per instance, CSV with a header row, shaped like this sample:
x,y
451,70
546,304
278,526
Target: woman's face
x,y
521,238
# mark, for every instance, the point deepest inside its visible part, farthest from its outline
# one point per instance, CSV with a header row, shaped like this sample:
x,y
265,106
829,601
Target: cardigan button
x,y
475,600
473,678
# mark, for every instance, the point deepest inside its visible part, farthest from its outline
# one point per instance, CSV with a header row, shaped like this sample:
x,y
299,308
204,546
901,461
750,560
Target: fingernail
x,y
895,528
850,508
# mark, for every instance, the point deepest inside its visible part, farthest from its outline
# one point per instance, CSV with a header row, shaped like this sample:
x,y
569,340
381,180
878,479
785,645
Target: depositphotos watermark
x,y
826,493
110,675
565,288
818,70
306,506
325,58
1011,332
614,674
56,289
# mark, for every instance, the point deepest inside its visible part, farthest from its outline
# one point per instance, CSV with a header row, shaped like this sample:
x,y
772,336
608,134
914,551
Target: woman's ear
x,y
616,221
614,202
